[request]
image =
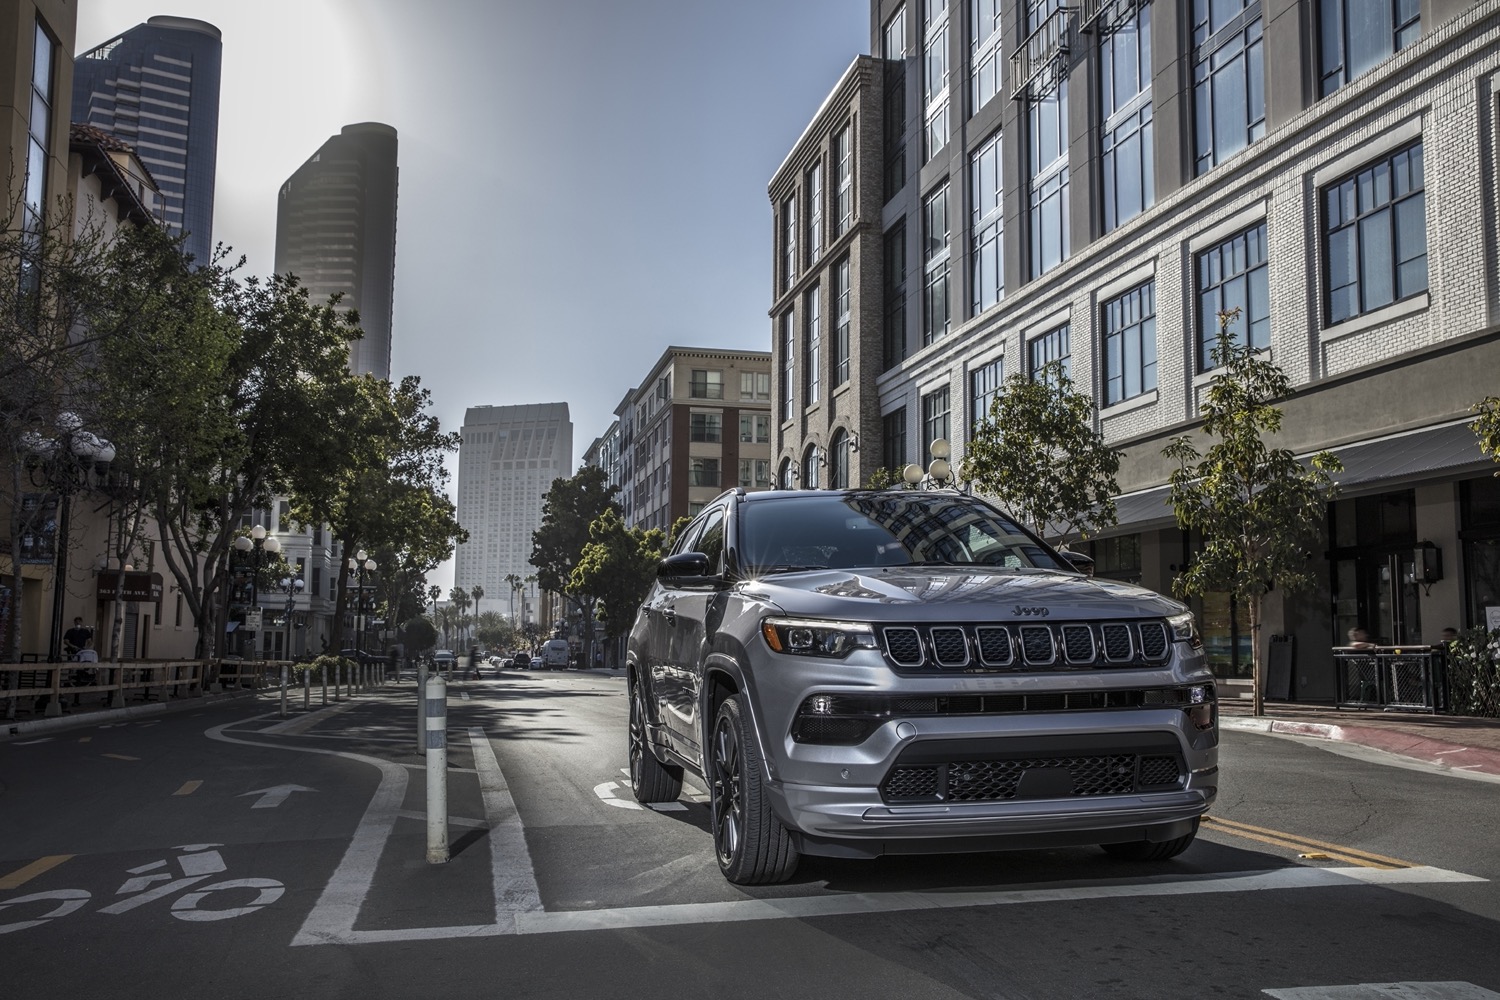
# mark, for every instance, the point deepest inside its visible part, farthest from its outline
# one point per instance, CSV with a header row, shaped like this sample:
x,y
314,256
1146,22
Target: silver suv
x,y
866,672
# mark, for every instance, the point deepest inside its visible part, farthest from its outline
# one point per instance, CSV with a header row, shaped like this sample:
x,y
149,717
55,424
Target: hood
x,y
957,593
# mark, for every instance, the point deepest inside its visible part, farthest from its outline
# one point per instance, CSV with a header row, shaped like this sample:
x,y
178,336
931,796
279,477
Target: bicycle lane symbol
x,y
199,863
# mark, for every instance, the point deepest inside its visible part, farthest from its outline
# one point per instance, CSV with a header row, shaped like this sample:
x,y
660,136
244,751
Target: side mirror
x,y
1080,562
684,565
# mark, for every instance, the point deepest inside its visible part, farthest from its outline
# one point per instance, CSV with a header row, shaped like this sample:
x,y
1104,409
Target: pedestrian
x,y
1359,638
76,637
1450,636
85,676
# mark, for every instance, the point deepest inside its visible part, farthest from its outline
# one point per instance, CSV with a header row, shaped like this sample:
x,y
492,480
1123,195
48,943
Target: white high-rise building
x,y
507,460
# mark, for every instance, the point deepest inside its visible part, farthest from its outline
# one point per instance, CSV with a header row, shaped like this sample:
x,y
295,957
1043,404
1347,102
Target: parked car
x,y
522,660
444,660
864,672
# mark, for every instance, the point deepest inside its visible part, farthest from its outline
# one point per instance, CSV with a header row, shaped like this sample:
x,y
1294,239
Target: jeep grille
x,y
923,649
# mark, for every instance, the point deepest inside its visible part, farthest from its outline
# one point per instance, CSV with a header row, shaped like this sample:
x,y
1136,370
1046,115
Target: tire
x,y
1145,850
752,846
650,779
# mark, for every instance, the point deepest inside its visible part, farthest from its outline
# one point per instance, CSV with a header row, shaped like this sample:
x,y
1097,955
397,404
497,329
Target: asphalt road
x,y
229,853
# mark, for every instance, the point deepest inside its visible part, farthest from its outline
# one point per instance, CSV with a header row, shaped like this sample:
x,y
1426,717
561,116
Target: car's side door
x,y
660,609
689,609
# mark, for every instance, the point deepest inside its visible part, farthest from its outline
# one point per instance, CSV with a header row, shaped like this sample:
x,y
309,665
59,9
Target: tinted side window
x,y
711,541
689,538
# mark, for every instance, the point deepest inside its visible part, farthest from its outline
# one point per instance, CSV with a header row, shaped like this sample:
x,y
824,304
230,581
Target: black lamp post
x,y
359,566
71,460
291,586
253,549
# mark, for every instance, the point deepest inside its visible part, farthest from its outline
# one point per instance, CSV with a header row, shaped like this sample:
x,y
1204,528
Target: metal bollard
x,y
421,706
436,702
283,689
323,676
306,687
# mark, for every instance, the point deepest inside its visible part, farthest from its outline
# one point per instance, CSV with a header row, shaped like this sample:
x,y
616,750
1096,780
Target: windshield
x,y
882,528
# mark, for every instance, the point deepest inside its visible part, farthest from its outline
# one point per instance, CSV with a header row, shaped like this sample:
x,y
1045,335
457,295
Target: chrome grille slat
x,y
993,643
904,646
949,647
1037,645
1078,643
1118,646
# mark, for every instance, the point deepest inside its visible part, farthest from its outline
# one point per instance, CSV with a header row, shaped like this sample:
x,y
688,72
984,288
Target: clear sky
x,y
583,182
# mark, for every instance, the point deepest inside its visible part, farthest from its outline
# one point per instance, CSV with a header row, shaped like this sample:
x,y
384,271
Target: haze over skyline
x,y
582,184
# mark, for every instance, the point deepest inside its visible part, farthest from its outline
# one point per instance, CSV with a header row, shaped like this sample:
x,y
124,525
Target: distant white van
x,y
555,654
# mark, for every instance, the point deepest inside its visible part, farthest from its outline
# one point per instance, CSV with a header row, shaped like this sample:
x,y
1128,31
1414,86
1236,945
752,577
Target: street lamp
x,y
73,459
253,549
291,586
359,566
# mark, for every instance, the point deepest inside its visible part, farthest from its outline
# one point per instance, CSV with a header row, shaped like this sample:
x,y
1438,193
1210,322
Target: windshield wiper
x,y
788,568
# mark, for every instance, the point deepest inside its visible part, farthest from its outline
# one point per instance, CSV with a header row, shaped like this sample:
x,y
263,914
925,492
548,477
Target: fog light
x,y
820,704
1198,695
1202,717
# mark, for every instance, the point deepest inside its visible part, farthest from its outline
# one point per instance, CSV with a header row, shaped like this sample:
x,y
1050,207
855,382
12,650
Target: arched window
x,y
786,478
812,459
838,465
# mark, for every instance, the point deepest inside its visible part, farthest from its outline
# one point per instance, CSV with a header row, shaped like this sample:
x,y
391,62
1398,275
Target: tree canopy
x,y
617,566
568,509
1038,454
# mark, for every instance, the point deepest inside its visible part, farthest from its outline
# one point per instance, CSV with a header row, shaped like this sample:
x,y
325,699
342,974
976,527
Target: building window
x,y
812,462
755,428
988,222
39,132
1229,92
706,427
838,462
317,581
1234,276
1125,90
935,266
755,473
786,479
984,48
935,76
1376,225
815,213
789,242
894,328
1479,532
814,342
935,411
703,472
1355,35
984,389
893,49
1047,144
1048,348
843,159
788,363
841,322
893,440
1130,344
706,384
755,385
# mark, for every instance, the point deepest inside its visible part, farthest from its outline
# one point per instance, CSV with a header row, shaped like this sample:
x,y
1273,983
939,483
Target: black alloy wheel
x,y
752,846
650,779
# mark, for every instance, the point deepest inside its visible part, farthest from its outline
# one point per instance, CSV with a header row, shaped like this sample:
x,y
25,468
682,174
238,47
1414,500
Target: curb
x,y
11,730
1440,753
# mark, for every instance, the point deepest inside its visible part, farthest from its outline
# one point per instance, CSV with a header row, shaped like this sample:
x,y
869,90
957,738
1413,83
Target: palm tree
x,y
515,585
460,598
477,592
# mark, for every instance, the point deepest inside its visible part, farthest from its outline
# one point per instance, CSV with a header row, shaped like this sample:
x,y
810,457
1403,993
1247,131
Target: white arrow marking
x,y
606,793
270,798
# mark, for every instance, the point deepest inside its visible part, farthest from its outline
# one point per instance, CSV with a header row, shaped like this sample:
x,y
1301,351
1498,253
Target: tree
x,y
459,598
1487,427
617,566
418,634
516,586
1258,509
568,509
1038,454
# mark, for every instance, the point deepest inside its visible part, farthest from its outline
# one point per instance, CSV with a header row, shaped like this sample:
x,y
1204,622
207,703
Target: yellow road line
x,y
1278,838
21,876
119,756
188,788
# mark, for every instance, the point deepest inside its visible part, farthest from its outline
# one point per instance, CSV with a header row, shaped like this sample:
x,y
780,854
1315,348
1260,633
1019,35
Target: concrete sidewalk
x,y
1454,742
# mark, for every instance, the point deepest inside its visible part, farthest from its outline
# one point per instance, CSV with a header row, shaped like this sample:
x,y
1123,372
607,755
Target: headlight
x,y
806,637
1185,629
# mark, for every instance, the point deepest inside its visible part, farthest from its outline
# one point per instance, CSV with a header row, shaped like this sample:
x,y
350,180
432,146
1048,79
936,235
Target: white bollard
x,y
421,706
437,770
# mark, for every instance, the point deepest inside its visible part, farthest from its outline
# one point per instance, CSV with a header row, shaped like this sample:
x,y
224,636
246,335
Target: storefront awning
x,y
1400,460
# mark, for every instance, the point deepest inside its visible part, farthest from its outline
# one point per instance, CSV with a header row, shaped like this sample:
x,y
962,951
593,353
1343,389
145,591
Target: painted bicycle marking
x,y
198,863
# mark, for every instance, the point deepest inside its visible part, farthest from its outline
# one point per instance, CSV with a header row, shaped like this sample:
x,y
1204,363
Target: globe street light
x,y
359,566
253,549
291,586
72,459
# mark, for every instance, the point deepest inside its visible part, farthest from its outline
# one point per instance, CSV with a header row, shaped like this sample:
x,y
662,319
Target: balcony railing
x,y
1105,15
1035,66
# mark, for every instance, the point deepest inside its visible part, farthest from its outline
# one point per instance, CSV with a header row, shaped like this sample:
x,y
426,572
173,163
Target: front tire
x,y
1145,850
650,779
752,846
